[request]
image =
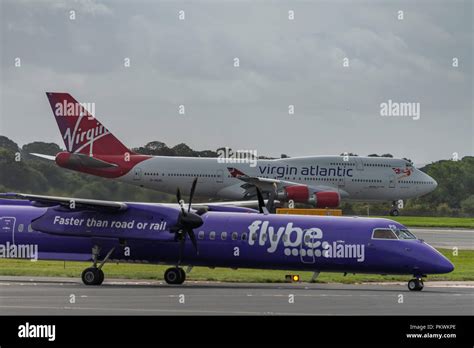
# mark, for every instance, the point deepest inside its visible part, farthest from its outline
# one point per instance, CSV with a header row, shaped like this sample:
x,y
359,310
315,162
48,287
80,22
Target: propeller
x,y
270,206
187,222
261,203
271,199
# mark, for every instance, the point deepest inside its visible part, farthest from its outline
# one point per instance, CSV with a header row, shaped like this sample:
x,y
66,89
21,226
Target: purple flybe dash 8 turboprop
x,y
56,228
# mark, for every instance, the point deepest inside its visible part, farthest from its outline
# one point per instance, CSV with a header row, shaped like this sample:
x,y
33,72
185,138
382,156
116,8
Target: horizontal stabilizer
x,y
78,159
48,157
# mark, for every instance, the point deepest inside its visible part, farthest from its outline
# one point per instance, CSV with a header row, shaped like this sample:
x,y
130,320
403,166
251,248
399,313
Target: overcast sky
x,y
282,62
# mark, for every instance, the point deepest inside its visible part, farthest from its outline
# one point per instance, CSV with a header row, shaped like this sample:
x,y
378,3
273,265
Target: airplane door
x,y
359,164
7,225
220,176
391,181
137,174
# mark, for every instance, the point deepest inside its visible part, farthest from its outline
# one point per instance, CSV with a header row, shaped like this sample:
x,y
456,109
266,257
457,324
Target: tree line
x,y
21,172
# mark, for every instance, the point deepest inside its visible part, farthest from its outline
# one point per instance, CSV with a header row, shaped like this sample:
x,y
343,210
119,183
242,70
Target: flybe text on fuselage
x,y
301,242
281,171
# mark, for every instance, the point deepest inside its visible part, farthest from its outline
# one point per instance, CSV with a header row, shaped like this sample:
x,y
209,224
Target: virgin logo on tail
x,y
78,137
75,137
81,131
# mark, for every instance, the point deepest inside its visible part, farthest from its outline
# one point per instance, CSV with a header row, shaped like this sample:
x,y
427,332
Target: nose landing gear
x,y
394,210
416,284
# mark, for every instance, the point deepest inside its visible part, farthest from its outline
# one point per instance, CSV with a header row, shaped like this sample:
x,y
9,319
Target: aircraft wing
x,y
77,203
82,203
268,184
250,206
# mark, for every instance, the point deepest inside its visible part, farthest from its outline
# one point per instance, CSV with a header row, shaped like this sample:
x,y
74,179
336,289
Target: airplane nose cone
x,y
432,183
443,265
447,266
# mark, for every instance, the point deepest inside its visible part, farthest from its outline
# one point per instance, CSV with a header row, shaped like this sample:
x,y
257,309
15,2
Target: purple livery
x,y
100,231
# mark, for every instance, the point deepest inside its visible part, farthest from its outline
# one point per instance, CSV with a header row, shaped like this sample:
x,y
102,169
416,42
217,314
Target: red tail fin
x,y
81,131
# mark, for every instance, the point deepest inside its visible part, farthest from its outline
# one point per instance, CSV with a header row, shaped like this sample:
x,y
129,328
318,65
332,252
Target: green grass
x,y
422,221
464,270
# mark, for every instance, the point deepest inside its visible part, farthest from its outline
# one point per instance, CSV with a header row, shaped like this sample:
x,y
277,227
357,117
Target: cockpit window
x,y
383,233
392,233
404,234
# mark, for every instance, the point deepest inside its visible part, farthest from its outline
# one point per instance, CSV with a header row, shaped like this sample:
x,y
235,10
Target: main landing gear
x,y
94,275
175,275
416,284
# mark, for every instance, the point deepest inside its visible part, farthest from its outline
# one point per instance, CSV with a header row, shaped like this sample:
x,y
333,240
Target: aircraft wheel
x,y
183,275
415,285
394,212
101,277
175,275
92,276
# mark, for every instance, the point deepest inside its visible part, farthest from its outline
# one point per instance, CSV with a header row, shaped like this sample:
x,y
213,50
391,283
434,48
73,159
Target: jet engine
x,y
303,194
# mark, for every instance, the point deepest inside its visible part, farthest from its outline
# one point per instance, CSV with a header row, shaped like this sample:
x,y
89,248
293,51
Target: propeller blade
x,y
193,188
193,239
181,248
187,221
178,194
271,199
261,202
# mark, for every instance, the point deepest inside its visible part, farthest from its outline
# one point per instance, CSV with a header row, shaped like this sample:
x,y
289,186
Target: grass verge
x,y
464,270
425,221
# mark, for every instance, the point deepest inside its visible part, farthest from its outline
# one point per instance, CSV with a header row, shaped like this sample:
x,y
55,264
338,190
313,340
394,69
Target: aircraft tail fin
x,y
81,131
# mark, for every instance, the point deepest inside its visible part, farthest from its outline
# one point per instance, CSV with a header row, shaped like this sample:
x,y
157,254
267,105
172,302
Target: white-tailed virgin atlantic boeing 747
x,y
322,181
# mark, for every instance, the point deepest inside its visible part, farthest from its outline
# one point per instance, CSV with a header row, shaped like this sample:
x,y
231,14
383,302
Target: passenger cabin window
x,y
30,229
244,236
20,228
224,235
235,235
201,235
383,233
212,235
